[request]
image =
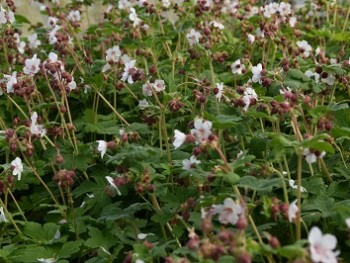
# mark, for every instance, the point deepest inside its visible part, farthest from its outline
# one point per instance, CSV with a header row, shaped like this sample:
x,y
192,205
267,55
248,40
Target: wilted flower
x,y
292,211
292,185
193,37
220,88
102,147
2,215
17,166
31,66
114,186
188,163
10,81
322,246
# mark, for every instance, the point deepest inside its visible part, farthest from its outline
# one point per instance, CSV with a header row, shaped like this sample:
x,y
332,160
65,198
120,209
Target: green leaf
x,y
69,248
99,238
231,178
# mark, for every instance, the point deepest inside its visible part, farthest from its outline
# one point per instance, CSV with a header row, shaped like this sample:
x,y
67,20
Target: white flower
x,y
11,80
113,54
129,66
347,221
257,73
3,19
52,21
20,44
114,186
139,261
2,215
322,246
53,58
180,138
102,147
237,67
292,211
329,80
311,156
142,236
310,74
133,17
228,212
293,21
249,93
33,41
72,85
143,104
31,66
123,4
147,89
46,260
106,67
74,16
17,167
159,85
292,185
220,87
188,163
193,37
251,38
52,34
171,16
284,9
36,129
217,25
304,45
202,129
270,9
166,3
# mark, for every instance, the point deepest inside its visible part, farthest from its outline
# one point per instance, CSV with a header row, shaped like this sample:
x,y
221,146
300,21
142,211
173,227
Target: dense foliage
x,y
176,131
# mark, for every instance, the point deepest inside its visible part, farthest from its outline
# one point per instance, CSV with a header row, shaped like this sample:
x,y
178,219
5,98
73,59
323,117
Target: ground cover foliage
x,y
175,131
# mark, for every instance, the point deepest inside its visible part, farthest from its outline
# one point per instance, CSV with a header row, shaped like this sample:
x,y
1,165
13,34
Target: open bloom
x,y
322,246
237,67
74,16
311,156
180,138
202,130
17,167
304,47
113,54
187,164
33,41
193,37
228,212
128,69
31,66
159,85
347,221
248,95
133,17
147,89
292,211
257,73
